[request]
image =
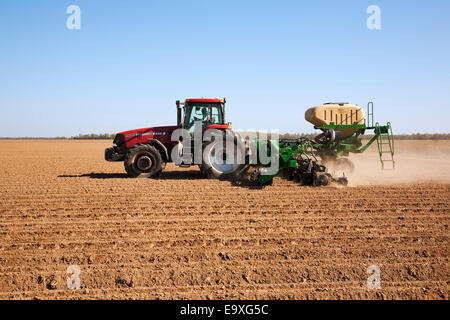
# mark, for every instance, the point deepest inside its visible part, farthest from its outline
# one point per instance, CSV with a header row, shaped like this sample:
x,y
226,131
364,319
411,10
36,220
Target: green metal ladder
x,y
370,114
385,142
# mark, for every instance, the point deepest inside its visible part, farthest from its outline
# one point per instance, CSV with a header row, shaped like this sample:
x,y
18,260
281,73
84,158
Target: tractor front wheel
x,y
143,161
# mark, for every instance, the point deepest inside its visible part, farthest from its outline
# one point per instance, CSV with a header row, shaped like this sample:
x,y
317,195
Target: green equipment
x,y
338,140
297,162
304,160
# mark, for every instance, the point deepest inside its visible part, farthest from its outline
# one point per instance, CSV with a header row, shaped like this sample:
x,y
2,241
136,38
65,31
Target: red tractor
x,y
146,151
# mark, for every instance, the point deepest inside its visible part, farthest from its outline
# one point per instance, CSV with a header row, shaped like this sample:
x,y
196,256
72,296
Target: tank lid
x,y
339,103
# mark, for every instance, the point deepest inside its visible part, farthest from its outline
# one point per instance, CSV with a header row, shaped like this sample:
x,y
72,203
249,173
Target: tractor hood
x,y
127,139
164,130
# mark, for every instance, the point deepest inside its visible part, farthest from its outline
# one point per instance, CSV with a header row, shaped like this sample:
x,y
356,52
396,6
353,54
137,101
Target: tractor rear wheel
x,y
143,161
222,162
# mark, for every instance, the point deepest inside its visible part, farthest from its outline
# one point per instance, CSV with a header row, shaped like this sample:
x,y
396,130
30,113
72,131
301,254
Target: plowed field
x,y
182,236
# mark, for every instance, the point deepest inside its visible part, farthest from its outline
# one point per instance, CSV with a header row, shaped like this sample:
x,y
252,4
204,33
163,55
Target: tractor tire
x,y
143,161
215,158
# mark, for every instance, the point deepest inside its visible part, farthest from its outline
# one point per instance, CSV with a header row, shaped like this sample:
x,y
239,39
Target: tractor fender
x,y
225,131
162,148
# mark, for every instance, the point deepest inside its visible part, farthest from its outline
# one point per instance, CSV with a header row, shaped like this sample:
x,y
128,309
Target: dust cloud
x,y
415,162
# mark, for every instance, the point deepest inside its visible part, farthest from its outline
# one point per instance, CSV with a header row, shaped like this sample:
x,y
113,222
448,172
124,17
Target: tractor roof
x,y
206,100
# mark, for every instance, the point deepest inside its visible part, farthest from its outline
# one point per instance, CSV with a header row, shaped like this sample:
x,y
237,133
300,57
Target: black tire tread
x,y
143,148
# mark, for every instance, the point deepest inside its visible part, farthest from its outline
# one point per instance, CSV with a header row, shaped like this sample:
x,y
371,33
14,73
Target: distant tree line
x,y
414,136
419,136
297,135
94,136
33,138
110,136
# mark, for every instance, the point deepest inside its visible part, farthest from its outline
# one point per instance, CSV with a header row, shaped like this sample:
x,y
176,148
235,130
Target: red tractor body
x,y
145,151
160,137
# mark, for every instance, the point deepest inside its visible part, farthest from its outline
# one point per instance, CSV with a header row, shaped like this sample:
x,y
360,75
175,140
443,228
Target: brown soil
x,y
182,236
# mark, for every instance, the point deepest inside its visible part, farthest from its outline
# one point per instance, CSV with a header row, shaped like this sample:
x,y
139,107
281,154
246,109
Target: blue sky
x,y
131,60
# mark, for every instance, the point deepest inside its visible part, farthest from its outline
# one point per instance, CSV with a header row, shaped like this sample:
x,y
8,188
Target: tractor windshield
x,y
207,113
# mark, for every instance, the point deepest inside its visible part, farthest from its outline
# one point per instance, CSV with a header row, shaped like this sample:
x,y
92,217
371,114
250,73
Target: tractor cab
x,y
209,112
